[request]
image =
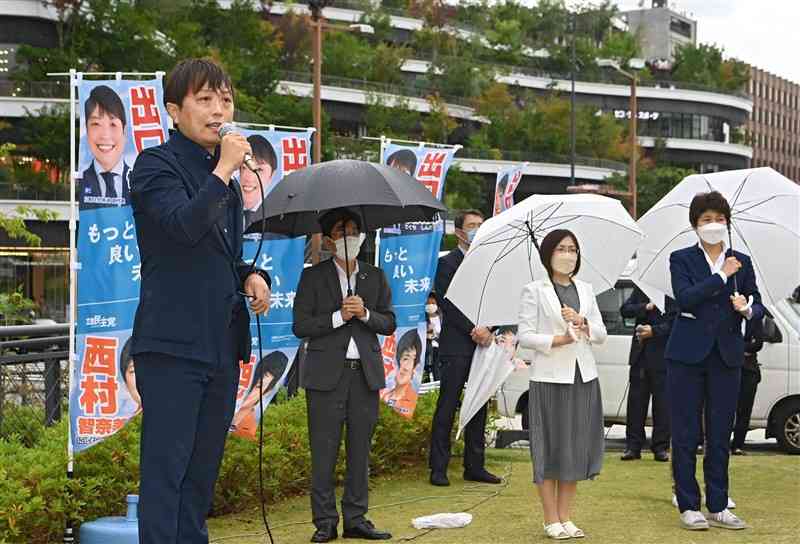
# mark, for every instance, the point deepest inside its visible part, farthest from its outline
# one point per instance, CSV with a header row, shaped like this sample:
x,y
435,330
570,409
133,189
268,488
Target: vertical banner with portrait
x,y
118,119
276,154
507,182
408,255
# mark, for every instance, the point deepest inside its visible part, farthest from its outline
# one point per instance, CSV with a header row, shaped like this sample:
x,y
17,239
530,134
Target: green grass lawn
x,y
629,503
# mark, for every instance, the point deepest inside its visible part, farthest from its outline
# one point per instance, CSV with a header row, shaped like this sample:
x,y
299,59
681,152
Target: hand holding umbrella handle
x,y
749,302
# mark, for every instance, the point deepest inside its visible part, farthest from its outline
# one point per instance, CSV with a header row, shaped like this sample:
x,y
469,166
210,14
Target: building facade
x,y
774,125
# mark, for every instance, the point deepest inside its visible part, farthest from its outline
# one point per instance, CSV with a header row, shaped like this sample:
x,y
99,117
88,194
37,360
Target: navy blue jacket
x,y
455,338
650,353
189,228
707,316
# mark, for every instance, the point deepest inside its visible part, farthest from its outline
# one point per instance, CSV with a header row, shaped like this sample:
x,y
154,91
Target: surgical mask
x,y
712,233
431,308
353,246
564,263
470,236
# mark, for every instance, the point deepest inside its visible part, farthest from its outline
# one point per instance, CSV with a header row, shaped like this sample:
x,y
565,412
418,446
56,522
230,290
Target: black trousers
x,y
354,406
454,374
644,384
187,408
744,407
432,361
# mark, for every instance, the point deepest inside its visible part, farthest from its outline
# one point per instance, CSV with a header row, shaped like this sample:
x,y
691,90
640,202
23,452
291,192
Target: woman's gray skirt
x,y
566,430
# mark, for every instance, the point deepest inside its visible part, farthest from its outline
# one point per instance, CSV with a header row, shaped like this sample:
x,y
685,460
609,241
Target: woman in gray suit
x,y
559,320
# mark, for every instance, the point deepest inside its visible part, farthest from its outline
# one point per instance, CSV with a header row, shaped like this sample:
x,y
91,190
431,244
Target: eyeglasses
x,y
564,249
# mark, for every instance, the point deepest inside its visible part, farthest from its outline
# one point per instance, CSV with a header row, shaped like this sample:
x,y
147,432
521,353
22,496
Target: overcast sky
x,y
765,33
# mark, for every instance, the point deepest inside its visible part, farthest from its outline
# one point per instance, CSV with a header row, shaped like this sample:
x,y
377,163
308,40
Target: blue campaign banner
x,y
408,255
506,184
118,119
276,153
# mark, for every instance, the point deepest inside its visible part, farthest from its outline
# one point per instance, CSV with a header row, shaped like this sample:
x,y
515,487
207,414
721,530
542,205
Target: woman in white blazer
x,y
559,320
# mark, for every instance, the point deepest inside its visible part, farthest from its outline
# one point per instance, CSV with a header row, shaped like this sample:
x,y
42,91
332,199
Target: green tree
x,y
704,64
463,191
437,125
652,184
48,131
397,120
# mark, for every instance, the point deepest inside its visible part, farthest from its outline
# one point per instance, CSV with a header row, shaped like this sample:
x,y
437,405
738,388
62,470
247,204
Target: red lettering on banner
x,y
388,350
100,356
295,154
118,424
103,427
430,171
145,116
245,374
96,394
85,426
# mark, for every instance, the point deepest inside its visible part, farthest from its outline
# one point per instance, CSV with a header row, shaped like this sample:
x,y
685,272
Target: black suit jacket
x,y
649,354
319,296
90,186
455,338
192,270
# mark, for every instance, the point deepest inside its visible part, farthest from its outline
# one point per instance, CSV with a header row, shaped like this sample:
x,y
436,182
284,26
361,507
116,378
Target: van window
x,y
610,302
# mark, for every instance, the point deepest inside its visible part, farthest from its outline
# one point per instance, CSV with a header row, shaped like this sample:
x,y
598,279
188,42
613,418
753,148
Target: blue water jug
x,y
115,529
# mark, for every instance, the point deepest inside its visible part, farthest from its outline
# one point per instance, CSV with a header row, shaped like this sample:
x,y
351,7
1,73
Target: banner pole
x,y
384,143
69,536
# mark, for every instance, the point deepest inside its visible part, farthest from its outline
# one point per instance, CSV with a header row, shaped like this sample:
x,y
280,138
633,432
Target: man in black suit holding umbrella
x,y
341,307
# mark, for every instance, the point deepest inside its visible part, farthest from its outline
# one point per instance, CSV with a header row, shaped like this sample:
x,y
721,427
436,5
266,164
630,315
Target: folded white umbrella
x,y
765,224
491,366
442,521
504,256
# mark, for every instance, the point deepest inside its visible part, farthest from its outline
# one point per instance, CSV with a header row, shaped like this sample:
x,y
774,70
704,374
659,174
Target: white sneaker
x,y
572,530
674,500
726,520
555,531
731,504
694,520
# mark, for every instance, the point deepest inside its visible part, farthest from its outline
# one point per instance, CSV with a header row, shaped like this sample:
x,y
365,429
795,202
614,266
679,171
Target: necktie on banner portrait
x,y
276,153
118,119
506,184
408,255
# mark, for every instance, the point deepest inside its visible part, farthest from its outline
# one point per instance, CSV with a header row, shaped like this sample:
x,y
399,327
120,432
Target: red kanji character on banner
x,y
85,426
295,154
98,394
144,110
108,397
103,426
430,171
245,374
100,356
388,349
139,136
118,424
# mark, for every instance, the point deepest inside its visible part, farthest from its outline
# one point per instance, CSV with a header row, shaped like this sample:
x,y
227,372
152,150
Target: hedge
x,y
36,496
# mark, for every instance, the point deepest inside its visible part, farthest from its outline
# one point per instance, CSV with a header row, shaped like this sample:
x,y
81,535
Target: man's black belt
x,y
352,364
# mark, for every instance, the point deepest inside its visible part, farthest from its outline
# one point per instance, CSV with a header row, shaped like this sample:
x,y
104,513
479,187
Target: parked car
x,y
777,403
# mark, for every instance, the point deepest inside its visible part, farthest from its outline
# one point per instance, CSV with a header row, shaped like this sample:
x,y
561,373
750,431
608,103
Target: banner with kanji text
x,y
506,184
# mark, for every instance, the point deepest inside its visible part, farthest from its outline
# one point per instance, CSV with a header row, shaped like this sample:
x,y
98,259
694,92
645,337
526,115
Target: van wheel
x,y
787,427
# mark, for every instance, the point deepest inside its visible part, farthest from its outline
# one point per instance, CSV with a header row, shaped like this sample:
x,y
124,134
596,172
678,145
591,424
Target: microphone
x,y
229,128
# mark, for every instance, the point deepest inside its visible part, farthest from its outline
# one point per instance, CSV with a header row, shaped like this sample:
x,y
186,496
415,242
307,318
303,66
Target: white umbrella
x,y
491,366
504,256
765,224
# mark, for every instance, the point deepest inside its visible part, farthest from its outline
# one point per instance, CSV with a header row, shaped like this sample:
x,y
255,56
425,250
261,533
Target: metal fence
x,y
33,379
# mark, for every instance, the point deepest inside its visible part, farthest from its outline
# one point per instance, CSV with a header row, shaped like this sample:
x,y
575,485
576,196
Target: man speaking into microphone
x,y
192,326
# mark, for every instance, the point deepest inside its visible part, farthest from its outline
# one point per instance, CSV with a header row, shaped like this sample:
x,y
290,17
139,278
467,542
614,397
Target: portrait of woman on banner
x,y
402,398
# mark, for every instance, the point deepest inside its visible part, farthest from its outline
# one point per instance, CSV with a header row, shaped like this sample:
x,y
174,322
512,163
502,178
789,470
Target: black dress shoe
x,y
325,534
661,456
367,531
483,476
630,455
439,479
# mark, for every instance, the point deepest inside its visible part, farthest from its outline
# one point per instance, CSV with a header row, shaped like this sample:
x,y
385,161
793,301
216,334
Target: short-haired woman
x,y
559,319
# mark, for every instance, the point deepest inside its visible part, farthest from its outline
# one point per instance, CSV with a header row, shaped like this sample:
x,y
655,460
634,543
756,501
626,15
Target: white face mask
x,y
353,246
712,233
431,308
564,263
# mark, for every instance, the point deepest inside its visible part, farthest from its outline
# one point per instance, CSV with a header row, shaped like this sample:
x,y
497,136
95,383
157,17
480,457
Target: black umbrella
x,y
382,195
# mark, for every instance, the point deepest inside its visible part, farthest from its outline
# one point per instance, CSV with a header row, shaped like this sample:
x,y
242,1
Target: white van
x,y
777,402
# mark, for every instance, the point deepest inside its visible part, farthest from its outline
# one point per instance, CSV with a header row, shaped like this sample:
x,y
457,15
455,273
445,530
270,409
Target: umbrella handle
x,y
730,248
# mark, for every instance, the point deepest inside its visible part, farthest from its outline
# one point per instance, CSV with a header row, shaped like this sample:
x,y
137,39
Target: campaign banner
x,y
409,253
276,153
118,119
507,182
403,364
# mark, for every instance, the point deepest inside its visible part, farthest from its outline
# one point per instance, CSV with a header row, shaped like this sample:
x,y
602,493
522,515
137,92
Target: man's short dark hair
x,y
405,158
409,340
501,187
190,75
548,246
274,363
711,201
262,150
459,220
329,220
107,101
